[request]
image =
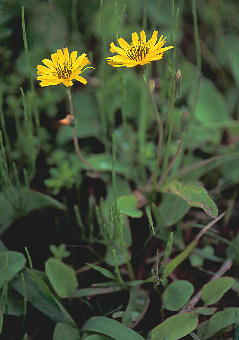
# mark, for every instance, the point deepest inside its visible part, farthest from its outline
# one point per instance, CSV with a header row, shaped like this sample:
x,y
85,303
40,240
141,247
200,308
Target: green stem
x,y
198,54
159,122
74,131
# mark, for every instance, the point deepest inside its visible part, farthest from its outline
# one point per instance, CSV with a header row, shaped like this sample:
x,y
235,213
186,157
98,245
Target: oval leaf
x,y
128,205
11,263
177,294
175,327
218,321
110,327
62,277
64,331
194,194
215,289
35,290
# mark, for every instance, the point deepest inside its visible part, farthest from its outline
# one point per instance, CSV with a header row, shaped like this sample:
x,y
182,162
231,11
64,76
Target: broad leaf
x,y
128,205
64,331
175,327
137,306
215,289
217,322
172,209
194,194
177,294
11,263
20,201
35,290
211,108
62,277
110,327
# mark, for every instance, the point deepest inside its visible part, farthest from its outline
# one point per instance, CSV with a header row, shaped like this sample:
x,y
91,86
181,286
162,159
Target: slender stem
x,y
170,166
158,118
198,53
74,131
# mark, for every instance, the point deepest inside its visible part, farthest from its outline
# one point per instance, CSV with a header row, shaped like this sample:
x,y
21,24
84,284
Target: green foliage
x,y
18,202
59,252
111,328
11,263
175,327
177,294
62,277
64,331
194,194
31,286
126,203
217,322
215,289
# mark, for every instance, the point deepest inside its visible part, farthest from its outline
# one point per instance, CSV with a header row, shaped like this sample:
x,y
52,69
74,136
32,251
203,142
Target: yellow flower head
x,y
139,52
62,68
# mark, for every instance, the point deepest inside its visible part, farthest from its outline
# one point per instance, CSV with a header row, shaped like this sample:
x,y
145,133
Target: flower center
x,y
64,71
137,53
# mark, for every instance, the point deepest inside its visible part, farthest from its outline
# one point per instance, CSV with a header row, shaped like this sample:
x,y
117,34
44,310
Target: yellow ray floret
x,y
62,68
139,52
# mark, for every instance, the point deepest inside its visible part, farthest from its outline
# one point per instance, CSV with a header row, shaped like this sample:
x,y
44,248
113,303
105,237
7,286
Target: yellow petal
x,y
66,53
135,39
153,39
43,69
81,79
123,44
48,63
54,58
81,61
73,56
143,37
115,49
67,83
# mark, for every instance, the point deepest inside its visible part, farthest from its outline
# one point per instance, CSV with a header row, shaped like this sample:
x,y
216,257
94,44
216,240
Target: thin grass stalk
x,y
27,55
198,54
172,91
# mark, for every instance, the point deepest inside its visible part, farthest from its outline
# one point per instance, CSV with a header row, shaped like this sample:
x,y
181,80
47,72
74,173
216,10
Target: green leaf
x,y
11,263
112,328
174,263
97,337
63,331
137,306
128,205
103,162
14,304
95,291
211,108
62,277
194,194
172,209
20,201
177,294
35,290
215,289
1,321
217,322
175,327
205,310
103,271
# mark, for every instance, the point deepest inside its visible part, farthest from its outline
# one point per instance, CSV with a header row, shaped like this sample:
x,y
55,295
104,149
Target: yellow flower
x,y
62,68
139,52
